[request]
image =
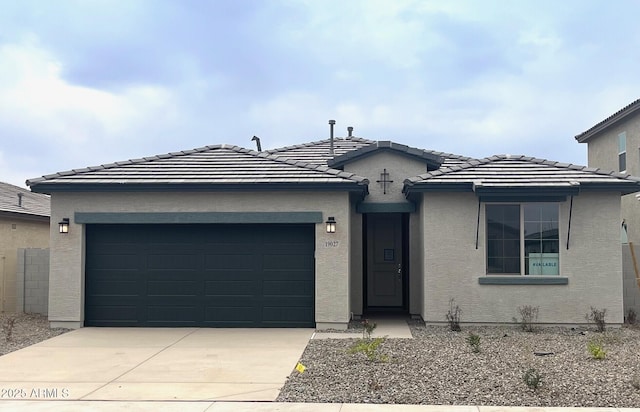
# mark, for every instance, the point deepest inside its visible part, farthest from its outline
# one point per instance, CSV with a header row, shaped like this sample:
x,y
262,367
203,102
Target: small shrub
x,y
630,317
474,341
596,349
528,316
453,316
368,328
532,378
597,316
7,328
369,347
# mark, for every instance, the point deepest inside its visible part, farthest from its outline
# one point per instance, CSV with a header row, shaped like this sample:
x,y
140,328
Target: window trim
x,y
522,239
622,151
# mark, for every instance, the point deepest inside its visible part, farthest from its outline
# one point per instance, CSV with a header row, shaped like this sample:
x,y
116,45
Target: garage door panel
x,y
176,287
112,287
231,288
179,314
113,313
231,314
277,316
287,288
237,261
206,275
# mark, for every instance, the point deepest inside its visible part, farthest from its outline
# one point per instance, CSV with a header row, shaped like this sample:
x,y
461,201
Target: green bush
x,y
474,341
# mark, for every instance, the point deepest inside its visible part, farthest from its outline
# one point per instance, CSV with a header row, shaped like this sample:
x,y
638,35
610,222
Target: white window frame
x,y
622,151
523,269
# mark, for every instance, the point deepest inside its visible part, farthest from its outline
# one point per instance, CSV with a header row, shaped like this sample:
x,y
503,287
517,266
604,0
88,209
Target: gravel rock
x,y
27,330
439,367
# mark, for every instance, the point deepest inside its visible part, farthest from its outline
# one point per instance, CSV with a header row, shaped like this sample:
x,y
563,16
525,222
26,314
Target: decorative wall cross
x,y
384,179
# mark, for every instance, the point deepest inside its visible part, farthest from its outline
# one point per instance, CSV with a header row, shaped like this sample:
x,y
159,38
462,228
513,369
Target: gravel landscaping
x,y
27,329
439,367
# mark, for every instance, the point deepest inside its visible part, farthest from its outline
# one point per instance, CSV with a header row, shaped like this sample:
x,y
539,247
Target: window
x,y
622,152
523,239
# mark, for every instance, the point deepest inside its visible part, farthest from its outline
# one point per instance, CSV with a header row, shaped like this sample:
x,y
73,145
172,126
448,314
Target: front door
x,y
385,270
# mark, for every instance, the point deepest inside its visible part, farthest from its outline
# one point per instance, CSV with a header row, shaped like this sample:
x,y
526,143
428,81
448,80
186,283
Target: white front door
x,y
384,260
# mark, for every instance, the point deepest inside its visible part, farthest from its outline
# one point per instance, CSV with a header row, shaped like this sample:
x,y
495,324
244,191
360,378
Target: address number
x,y
332,243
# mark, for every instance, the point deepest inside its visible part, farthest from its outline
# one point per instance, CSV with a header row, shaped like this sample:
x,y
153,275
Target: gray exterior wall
x,y
630,283
32,281
603,153
416,267
17,232
453,266
399,167
357,269
66,292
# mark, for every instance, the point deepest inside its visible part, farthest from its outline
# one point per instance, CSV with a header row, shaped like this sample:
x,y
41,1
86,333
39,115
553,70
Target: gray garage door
x,y
200,275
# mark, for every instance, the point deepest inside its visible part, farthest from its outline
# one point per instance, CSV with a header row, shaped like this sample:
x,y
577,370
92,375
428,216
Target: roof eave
x,y
609,122
50,188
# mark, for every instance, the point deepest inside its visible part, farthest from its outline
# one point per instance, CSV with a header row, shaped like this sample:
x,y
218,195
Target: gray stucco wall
x,y
603,153
399,168
32,281
416,257
452,264
630,283
356,275
66,292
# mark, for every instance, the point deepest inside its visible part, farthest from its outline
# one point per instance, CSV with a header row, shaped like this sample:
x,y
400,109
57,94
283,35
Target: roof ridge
x,y
590,131
317,142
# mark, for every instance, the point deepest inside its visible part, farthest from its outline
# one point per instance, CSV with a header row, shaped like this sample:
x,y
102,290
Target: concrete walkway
x,y
82,406
391,327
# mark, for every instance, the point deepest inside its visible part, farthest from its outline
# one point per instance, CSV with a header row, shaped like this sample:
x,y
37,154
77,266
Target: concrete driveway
x,y
154,364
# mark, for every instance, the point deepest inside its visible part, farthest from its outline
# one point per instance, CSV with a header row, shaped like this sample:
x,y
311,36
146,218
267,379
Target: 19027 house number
x,y
331,243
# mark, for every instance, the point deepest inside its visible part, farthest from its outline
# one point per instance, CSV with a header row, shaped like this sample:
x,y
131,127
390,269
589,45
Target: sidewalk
x,y
112,406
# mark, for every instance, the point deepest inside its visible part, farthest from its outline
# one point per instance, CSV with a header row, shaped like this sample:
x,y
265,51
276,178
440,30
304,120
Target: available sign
x,y
543,264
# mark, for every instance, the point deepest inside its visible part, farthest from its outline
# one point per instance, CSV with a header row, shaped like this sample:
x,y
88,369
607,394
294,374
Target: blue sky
x,y
91,82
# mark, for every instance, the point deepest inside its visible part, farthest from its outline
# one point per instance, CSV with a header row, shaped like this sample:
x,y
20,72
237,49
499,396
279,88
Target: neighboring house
x,y
319,233
614,144
24,223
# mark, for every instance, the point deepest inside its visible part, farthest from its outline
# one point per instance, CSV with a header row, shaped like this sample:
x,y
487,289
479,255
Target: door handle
x,y
399,271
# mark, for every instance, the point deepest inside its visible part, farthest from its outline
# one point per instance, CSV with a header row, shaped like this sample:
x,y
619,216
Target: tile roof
x,y
318,151
609,121
219,165
506,171
34,204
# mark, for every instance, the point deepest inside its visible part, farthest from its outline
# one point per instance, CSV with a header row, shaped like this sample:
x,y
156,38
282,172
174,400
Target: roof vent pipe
x,y
257,140
331,124
20,199
350,131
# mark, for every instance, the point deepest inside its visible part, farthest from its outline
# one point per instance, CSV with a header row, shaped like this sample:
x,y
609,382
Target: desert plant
x,y
528,316
597,316
453,316
7,328
630,317
596,349
369,347
532,378
474,341
368,328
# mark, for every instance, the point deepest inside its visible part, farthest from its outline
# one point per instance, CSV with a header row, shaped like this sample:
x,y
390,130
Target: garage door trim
x,y
198,217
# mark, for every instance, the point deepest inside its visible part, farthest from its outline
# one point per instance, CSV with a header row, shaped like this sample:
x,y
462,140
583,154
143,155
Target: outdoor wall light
x,y
331,224
63,225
